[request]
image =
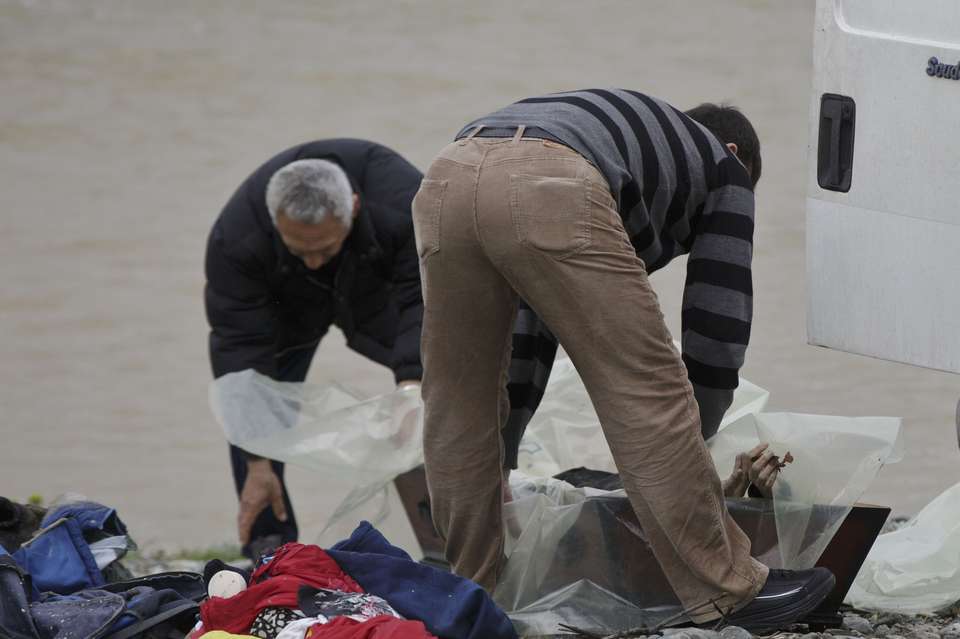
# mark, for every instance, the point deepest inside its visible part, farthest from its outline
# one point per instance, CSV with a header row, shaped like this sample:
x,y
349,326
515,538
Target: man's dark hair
x,y
730,125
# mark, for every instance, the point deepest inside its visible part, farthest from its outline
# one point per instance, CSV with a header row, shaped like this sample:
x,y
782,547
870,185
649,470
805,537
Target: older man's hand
x,y
261,489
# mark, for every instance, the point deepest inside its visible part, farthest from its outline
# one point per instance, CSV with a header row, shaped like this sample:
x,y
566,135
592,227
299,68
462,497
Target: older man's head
x,y
313,206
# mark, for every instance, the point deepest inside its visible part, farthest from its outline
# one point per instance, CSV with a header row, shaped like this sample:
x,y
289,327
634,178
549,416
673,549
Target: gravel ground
x,y
883,625
856,624
140,563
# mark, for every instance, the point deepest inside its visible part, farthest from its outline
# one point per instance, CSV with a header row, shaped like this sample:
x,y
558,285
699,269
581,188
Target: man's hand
x,y
738,482
408,383
261,489
764,469
759,467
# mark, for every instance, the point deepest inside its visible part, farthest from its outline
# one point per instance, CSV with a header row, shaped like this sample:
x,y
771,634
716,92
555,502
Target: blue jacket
x,y
451,607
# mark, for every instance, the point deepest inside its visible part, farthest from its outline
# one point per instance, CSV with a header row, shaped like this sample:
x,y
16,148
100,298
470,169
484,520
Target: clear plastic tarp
x,y
565,431
581,551
572,553
578,556
915,569
835,461
328,430
588,607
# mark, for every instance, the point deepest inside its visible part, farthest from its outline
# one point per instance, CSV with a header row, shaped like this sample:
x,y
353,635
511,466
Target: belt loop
x,y
518,134
471,135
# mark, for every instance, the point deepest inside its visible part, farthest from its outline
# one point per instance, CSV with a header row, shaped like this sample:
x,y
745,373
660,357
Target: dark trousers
x,y
291,367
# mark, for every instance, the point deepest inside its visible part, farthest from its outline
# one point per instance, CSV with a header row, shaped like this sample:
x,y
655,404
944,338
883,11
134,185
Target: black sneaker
x,y
786,598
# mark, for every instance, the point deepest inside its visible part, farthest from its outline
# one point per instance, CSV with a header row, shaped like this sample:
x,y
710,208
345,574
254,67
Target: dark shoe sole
x,y
761,623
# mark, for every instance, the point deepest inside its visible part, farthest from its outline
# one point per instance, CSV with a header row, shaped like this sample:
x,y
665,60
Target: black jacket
x,y
262,301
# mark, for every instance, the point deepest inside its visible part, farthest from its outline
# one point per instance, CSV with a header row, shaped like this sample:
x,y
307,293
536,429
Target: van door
x,y
883,191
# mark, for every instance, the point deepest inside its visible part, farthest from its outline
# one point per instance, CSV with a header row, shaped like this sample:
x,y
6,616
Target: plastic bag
x,y
915,569
585,606
328,430
558,535
323,428
579,556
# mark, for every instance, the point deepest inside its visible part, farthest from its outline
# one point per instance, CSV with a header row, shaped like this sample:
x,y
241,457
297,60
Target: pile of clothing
x,y
361,588
61,578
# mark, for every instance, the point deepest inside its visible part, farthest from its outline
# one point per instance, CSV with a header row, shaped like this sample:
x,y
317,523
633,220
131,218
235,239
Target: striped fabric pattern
x,y
679,191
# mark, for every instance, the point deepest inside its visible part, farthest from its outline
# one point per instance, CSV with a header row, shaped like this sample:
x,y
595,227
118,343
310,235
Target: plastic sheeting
x,y
575,554
835,461
367,443
835,458
565,431
915,569
579,555
569,550
585,606
330,431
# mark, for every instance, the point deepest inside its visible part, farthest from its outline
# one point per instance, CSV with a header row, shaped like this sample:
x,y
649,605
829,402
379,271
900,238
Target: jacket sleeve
x,y
718,295
534,351
241,314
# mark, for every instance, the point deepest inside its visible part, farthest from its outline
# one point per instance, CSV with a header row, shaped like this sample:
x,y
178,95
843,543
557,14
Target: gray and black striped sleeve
x,y
718,295
534,349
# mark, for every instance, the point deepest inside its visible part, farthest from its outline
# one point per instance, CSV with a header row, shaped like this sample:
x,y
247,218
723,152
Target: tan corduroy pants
x,y
501,218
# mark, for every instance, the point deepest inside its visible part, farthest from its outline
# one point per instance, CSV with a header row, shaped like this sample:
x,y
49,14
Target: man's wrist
x,y
259,465
408,383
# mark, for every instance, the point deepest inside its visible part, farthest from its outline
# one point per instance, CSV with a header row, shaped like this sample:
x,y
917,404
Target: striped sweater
x,y
679,191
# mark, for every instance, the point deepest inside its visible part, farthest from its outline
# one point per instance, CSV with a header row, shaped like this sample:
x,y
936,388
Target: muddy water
x,y
124,126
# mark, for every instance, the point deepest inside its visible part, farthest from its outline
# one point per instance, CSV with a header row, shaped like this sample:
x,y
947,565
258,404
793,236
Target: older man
x,y
568,201
319,235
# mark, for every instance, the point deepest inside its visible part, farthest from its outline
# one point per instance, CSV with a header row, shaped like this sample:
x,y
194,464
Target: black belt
x,y
510,131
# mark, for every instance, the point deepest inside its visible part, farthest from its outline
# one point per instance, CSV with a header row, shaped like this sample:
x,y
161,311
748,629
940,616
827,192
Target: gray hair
x,y
309,190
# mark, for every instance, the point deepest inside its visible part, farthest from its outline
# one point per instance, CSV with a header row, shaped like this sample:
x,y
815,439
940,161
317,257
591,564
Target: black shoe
x,y
262,546
786,598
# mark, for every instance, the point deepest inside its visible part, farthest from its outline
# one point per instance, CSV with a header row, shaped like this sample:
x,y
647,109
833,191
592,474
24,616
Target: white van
x,y
883,192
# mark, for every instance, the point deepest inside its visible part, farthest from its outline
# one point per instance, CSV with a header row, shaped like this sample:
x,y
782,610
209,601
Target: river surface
x,y
125,126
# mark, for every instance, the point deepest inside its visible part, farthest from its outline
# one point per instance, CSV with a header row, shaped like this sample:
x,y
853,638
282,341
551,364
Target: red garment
x,y
382,627
276,584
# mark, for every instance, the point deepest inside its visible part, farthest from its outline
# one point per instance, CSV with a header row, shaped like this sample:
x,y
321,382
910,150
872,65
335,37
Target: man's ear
x,y
356,204
733,147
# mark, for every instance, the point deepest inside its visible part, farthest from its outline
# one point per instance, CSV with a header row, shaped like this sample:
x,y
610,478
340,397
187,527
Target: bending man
x,y
567,201
320,235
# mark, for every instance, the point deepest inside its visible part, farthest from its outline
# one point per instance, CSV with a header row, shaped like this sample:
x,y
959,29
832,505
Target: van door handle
x,y
835,144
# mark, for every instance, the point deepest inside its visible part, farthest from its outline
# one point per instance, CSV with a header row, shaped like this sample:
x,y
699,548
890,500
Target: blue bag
x,y
59,560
